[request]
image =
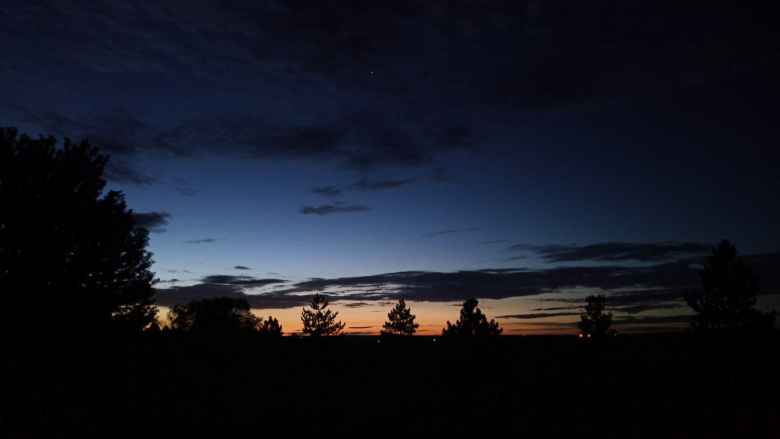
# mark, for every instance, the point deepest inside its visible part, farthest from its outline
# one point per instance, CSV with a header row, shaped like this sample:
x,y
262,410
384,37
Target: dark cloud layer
x,y
616,251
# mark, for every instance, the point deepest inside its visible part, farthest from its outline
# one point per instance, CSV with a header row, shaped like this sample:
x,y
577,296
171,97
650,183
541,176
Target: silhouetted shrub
x,y
318,321
219,314
400,320
594,322
728,298
472,323
70,254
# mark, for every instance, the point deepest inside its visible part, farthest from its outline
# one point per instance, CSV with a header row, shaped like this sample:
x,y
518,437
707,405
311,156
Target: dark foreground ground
x,y
167,385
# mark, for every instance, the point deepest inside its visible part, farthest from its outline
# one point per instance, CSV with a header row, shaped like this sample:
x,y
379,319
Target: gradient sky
x,y
301,140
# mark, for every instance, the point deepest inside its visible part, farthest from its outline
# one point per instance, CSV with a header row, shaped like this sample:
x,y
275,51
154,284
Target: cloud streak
x,y
327,191
367,185
615,251
201,241
245,281
330,209
450,232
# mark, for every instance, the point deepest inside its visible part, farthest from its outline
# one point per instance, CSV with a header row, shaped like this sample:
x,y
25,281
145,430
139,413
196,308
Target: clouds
x,y
241,267
450,232
529,316
121,172
330,209
201,241
615,251
635,295
365,184
298,47
327,191
152,221
668,280
244,281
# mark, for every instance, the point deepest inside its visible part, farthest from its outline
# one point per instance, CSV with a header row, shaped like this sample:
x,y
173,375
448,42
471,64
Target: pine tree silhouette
x,y
729,294
270,327
400,320
594,322
69,251
472,323
318,321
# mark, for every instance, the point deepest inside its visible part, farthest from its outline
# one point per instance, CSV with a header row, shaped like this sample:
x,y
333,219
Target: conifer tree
x,y
319,321
594,322
400,320
729,294
472,323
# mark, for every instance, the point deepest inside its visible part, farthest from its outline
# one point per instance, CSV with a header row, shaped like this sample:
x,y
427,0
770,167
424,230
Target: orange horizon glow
x,y
367,318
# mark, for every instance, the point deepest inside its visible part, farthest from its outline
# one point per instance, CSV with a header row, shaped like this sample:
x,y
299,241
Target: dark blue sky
x,y
304,140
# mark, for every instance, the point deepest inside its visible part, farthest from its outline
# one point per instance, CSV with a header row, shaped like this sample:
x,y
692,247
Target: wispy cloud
x,y
152,221
248,281
495,241
330,209
615,251
120,171
327,191
539,315
365,184
241,267
450,231
201,241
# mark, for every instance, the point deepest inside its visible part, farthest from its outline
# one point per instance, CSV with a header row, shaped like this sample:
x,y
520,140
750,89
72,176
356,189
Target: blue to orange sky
x,y
526,153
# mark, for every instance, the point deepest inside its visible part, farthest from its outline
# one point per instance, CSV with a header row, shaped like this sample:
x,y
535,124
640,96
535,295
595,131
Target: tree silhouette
x,y
400,320
270,327
728,298
318,321
472,323
594,322
68,251
219,314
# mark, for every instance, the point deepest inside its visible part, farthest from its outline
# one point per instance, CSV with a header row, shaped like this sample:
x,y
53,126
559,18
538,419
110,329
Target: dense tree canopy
x,y
728,296
270,327
218,314
70,254
472,323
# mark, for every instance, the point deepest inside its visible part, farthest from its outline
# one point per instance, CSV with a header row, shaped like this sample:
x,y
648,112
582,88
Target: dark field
x,y
631,386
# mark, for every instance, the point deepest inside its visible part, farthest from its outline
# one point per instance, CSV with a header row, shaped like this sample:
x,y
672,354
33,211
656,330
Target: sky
x,y
526,153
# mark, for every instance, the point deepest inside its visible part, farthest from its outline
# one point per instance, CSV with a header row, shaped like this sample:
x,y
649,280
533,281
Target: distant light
x,y
434,339
378,340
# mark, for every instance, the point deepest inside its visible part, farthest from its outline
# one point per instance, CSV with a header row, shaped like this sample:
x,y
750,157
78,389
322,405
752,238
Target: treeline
x,y
227,314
